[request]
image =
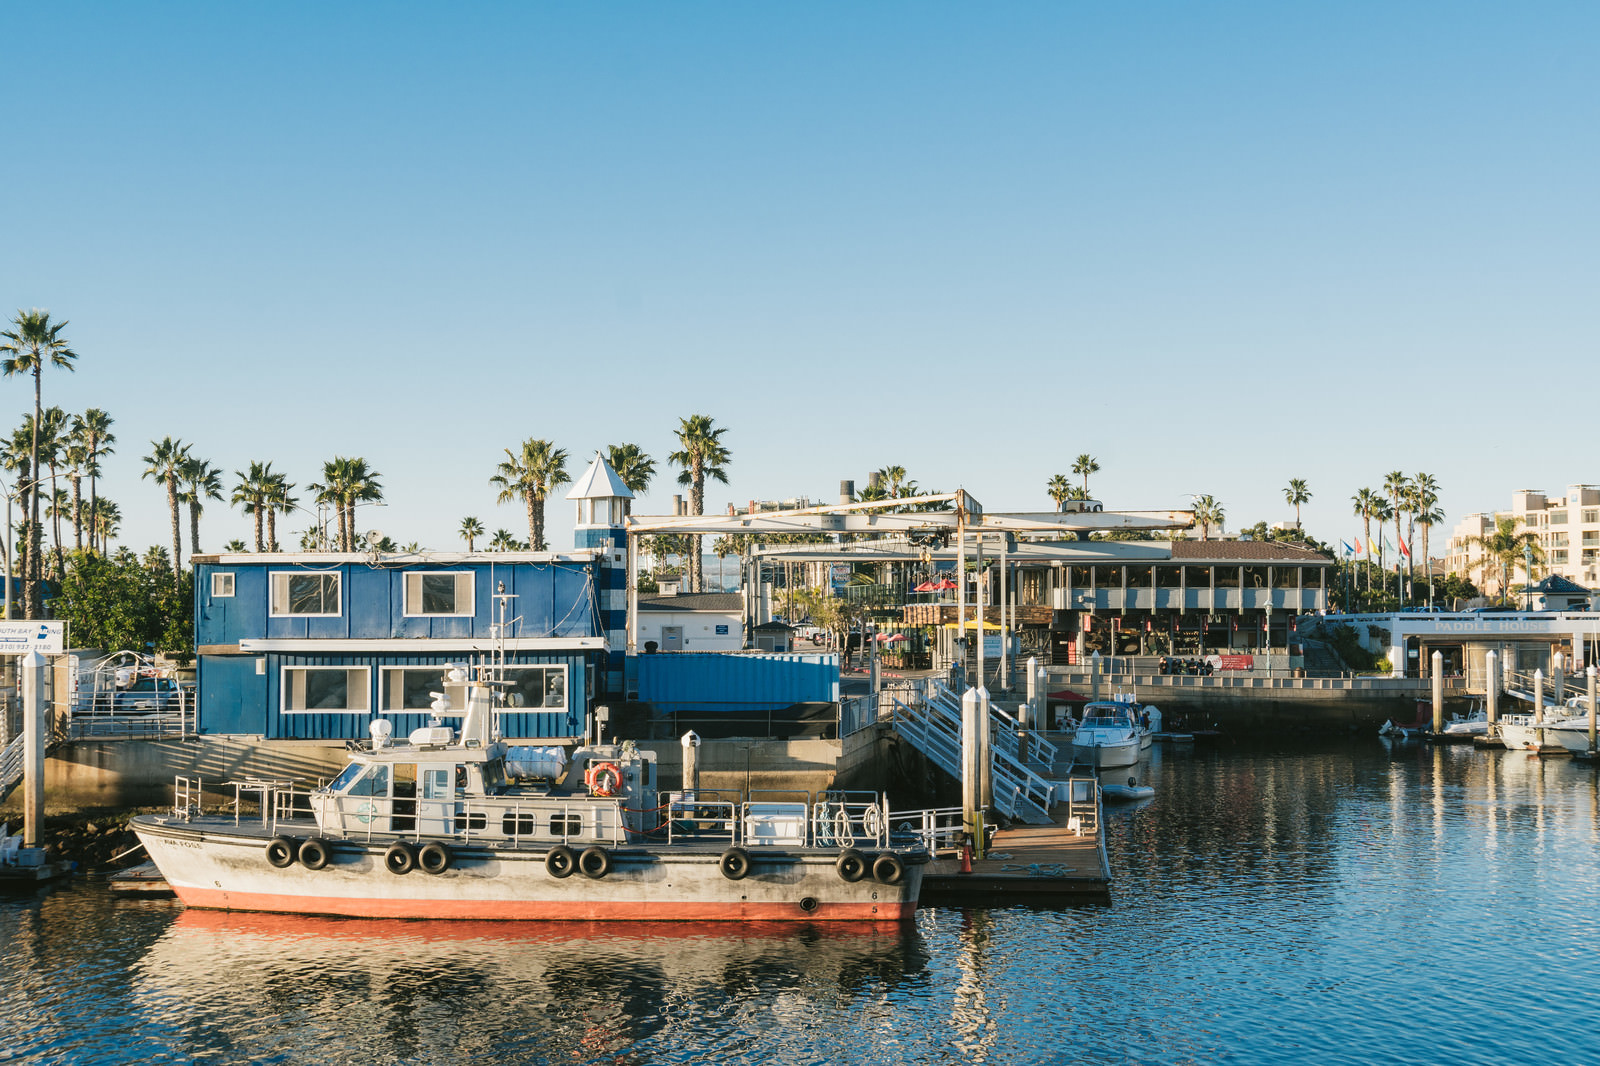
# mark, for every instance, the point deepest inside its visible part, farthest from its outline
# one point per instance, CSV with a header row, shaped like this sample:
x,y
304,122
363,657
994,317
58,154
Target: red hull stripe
x,y
542,910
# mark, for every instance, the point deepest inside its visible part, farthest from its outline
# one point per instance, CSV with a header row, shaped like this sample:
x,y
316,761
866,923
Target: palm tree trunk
x,y
344,536
533,525
194,530
177,527
697,499
77,511
94,500
538,543
272,529
35,597
257,508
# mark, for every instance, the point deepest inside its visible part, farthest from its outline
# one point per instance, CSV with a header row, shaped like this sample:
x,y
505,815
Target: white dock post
x,y
31,668
1538,701
985,750
970,818
1436,663
1028,713
1491,688
1094,676
1559,691
691,765
1592,673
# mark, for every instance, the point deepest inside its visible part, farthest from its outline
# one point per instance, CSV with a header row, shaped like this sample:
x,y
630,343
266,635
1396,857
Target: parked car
x,y
146,695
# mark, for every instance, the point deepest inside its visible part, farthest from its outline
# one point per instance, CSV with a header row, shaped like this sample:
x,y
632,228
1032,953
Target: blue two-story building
x,y
314,646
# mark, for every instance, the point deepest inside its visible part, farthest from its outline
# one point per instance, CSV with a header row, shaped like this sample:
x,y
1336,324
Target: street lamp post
x,y
1527,570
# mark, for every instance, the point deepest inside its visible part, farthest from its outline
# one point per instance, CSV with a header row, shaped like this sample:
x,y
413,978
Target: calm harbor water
x,y
1336,902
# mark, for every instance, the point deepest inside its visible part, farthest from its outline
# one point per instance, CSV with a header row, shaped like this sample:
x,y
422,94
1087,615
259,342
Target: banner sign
x,y
46,638
1234,662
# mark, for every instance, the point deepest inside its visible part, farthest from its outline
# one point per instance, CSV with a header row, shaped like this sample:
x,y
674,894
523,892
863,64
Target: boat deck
x,y
1038,863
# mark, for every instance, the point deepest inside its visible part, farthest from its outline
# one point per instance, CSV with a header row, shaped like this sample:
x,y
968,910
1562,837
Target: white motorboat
x,y
1475,723
1127,793
1108,736
1570,733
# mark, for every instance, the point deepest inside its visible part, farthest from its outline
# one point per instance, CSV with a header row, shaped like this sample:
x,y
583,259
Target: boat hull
x,y
219,867
1107,756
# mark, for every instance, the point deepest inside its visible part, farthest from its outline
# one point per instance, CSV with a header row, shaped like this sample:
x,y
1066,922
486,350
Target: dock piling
x,y
31,667
1436,663
1591,673
1491,689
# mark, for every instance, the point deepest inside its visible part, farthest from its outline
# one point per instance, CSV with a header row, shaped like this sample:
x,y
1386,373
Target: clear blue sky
x,y
1218,246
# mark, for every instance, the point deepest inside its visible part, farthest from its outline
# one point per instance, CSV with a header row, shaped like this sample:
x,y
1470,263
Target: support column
x,y
1005,618
1591,673
30,668
971,817
691,765
1436,663
1028,713
985,752
1491,688
633,594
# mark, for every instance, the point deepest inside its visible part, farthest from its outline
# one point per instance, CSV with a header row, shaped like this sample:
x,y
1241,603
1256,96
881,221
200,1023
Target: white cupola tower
x,y
601,499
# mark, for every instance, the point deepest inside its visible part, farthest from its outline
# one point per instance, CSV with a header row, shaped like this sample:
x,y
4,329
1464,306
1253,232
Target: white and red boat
x,y
462,826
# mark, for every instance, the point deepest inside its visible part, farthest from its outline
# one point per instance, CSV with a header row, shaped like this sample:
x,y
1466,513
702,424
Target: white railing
x,y
941,829
12,761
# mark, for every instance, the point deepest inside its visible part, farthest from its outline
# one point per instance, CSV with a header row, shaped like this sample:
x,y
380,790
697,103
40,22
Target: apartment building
x,y
1568,527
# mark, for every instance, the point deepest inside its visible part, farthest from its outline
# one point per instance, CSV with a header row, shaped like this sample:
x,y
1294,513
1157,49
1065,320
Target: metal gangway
x,y
1020,757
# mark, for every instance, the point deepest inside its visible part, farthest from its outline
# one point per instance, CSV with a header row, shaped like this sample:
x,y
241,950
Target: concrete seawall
x,y
1332,704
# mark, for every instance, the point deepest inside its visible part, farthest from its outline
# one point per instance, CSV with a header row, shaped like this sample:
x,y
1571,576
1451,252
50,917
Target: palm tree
x,y
471,529
363,487
33,342
1382,511
165,464
1398,486
279,497
1085,465
894,476
530,476
76,454
107,517
1059,489
1208,512
95,428
502,541
59,505
235,545
1503,548
15,457
331,491
250,495
1365,502
201,482
701,454
1297,493
53,434
634,467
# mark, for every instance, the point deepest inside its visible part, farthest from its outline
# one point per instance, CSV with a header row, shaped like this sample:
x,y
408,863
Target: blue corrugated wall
x,y
726,682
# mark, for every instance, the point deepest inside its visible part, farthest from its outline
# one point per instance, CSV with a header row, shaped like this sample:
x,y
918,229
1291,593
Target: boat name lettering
x,y
195,844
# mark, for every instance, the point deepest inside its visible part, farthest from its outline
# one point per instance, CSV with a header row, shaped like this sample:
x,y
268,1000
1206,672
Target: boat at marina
x,y
1108,737
1475,723
460,825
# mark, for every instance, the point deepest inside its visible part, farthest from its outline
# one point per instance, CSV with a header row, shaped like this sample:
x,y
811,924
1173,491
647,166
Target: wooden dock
x,y
1028,863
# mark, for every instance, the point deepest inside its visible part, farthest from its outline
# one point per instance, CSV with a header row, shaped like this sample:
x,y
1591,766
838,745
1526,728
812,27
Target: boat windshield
x,y
347,775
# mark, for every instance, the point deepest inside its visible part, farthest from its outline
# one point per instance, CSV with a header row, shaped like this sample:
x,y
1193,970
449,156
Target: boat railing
x,y
186,796
940,829
703,816
850,819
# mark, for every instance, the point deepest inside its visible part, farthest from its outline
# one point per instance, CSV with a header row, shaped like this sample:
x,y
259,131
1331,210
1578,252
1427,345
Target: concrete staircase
x,y
1020,758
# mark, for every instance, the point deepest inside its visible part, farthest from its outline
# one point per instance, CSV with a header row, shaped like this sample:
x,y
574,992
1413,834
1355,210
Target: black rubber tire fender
x,y
851,865
401,858
594,862
281,852
734,864
315,854
560,861
888,870
434,858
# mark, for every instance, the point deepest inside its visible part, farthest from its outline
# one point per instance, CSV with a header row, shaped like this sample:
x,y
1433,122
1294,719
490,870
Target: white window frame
x,y
273,577
221,578
415,610
384,673
566,687
284,688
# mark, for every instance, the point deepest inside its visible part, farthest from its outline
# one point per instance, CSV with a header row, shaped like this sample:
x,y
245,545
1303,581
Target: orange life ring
x,y
604,778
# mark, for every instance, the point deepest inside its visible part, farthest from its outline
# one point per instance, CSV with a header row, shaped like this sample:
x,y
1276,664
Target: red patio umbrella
x,y
1066,695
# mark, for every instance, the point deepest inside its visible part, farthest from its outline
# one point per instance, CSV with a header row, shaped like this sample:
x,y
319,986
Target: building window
x,y
1558,540
1255,577
1108,577
1590,517
1169,577
1558,558
431,595
1197,577
1032,591
306,595
325,690
1139,577
1285,577
221,586
1558,518
539,688
410,689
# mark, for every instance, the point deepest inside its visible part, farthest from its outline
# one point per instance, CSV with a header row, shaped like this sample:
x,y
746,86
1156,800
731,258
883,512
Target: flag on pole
x,y
1405,549
1372,546
1347,549
1358,546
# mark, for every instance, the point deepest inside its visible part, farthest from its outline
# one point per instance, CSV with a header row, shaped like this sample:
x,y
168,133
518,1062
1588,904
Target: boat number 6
x,y
364,812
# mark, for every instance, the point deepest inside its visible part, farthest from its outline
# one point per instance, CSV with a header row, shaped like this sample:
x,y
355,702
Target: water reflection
x,y
573,991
